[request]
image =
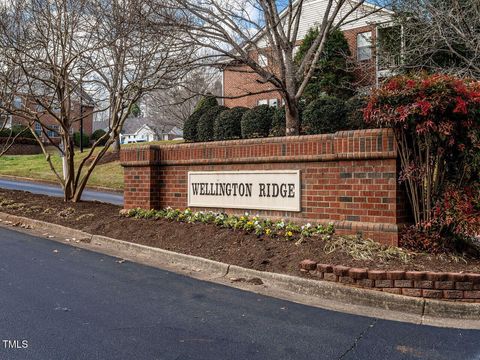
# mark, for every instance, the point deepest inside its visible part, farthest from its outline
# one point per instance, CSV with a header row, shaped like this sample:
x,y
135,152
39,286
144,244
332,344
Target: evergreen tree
x,y
332,76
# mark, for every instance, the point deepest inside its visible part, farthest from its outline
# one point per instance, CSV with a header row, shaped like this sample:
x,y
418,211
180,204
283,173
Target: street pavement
x,y
60,302
54,190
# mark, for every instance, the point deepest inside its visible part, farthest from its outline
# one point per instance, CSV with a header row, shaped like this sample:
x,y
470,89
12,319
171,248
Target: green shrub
x,y
17,129
24,130
205,103
355,107
190,125
206,123
332,75
324,115
256,122
436,122
97,134
279,122
228,125
85,139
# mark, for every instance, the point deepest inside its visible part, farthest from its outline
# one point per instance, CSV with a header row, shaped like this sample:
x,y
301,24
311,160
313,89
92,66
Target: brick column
x,y
142,180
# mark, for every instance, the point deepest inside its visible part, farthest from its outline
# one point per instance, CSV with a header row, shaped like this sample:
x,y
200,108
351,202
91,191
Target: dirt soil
x,y
208,241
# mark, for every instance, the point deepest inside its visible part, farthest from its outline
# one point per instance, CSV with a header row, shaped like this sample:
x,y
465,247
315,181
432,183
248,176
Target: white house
x,y
145,129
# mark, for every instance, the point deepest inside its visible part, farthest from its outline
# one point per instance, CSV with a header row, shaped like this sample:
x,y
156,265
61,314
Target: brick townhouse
x,y
84,109
362,33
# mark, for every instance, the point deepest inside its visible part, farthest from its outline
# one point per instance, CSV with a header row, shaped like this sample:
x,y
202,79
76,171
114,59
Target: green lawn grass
x,y
108,175
36,167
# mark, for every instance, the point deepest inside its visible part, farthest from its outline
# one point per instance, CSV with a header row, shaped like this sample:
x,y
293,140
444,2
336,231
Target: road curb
x,y
333,291
194,263
49,228
326,291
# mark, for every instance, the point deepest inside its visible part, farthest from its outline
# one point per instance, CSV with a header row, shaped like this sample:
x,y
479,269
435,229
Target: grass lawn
x,y
36,167
108,175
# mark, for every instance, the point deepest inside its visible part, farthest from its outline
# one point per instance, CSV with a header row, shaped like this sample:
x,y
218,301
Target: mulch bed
x,y
208,241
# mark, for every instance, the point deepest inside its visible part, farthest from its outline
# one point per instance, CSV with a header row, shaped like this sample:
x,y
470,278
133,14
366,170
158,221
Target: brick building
x,y
362,33
80,109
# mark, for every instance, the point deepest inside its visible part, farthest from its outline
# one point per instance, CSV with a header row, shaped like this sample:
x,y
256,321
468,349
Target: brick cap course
x,y
427,284
342,145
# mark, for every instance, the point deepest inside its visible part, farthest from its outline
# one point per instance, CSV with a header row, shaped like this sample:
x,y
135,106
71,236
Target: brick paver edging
x,y
426,284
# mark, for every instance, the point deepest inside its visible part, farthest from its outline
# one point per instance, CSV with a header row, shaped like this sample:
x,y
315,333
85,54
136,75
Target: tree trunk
x,y
116,144
292,115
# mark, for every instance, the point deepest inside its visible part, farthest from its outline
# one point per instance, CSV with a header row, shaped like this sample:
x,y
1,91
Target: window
x,y
53,132
38,129
39,108
262,60
364,46
269,102
273,102
17,102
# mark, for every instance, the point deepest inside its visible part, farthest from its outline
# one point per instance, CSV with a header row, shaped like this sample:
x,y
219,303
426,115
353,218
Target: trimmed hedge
x,y
355,106
191,124
228,124
97,134
324,115
17,129
85,140
19,140
205,125
279,122
206,102
256,122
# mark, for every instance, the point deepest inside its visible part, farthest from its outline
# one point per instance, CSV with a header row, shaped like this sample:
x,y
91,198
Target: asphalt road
x,y
67,303
52,190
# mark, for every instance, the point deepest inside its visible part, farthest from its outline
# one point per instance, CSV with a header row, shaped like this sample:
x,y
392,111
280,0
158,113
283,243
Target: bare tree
x,y
441,35
241,30
171,107
62,51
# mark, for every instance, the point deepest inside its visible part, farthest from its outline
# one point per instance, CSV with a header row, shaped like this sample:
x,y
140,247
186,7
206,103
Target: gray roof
x,y
132,124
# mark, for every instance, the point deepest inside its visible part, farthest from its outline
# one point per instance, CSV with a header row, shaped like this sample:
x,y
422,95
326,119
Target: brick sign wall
x,y
349,178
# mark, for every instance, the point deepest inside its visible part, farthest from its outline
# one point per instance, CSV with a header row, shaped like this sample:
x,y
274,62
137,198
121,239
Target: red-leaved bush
x,y
436,121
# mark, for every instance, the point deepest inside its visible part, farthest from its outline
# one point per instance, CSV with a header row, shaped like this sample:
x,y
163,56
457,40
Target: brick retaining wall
x,y
349,178
427,284
23,149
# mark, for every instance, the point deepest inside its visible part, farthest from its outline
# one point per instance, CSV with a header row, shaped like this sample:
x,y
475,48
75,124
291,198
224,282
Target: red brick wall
x,y
365,71
22,149
240,80
349,177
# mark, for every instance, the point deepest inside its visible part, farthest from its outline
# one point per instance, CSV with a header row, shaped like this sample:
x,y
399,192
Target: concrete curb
x,y
333,291
193,263
419,310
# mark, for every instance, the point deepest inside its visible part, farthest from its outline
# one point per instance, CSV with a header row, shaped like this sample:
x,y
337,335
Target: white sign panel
x,y
257,190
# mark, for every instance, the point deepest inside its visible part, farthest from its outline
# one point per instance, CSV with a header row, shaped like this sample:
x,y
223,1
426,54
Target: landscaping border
x,y
323,294
426,284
